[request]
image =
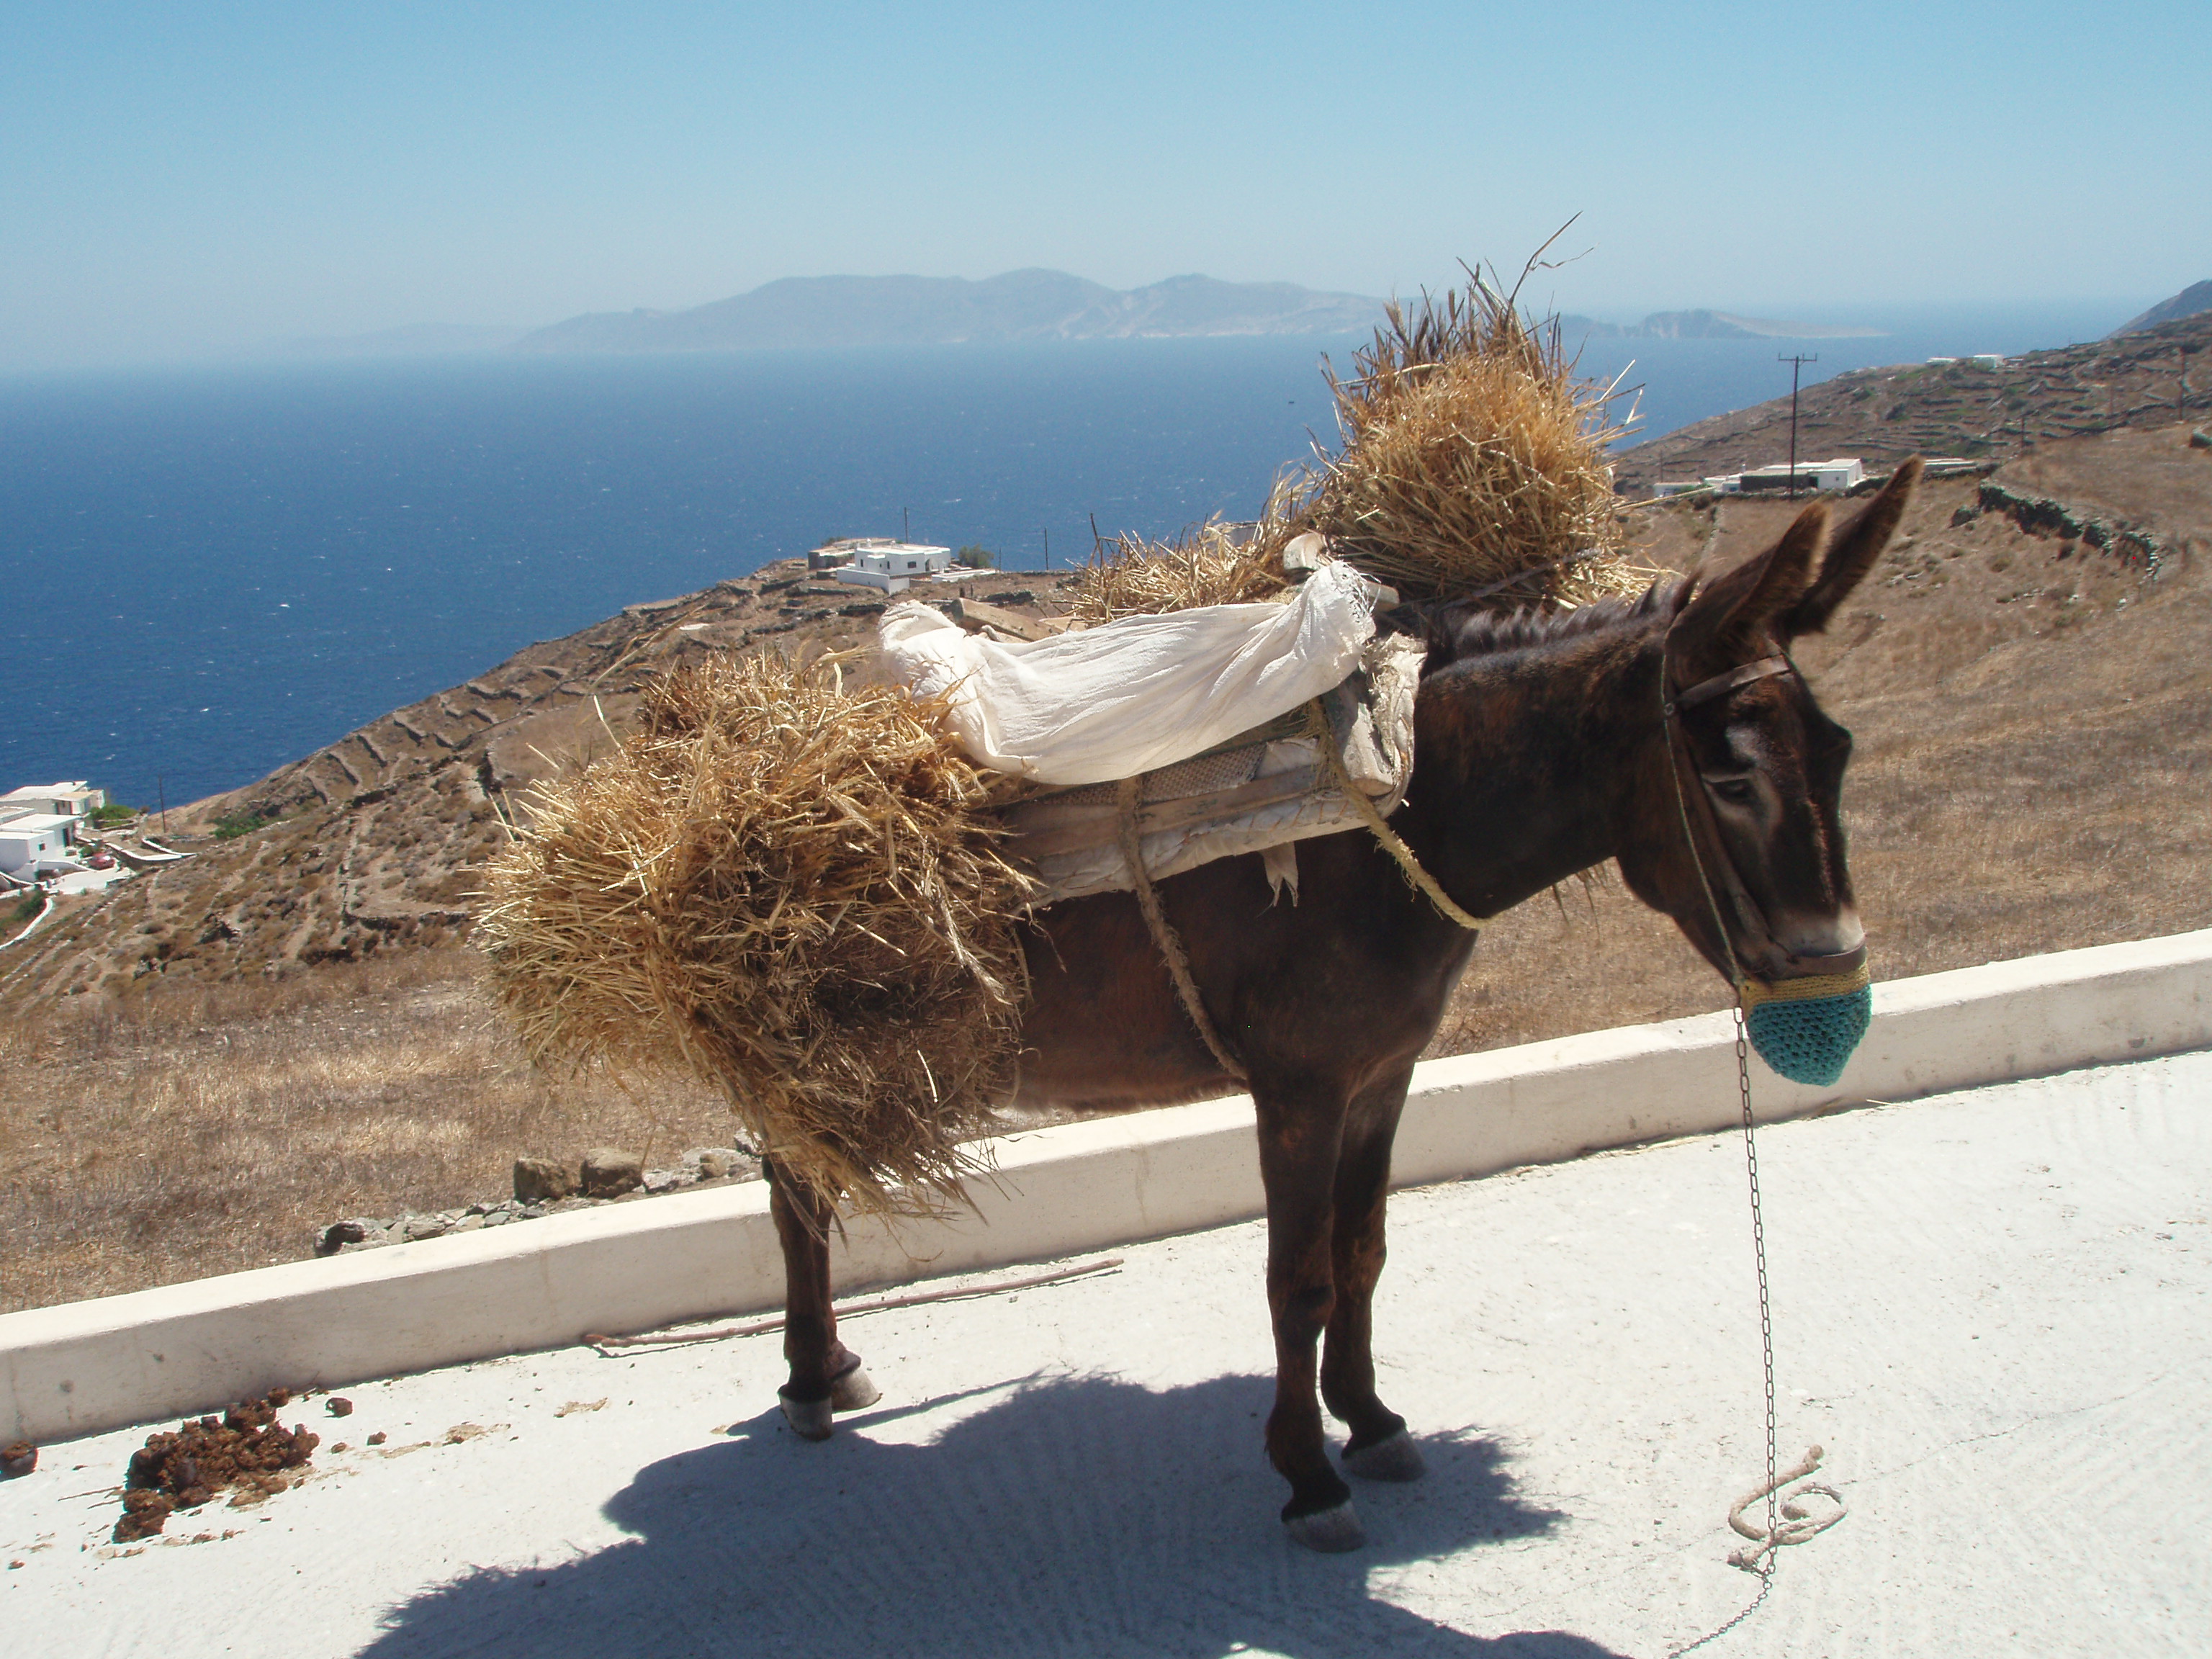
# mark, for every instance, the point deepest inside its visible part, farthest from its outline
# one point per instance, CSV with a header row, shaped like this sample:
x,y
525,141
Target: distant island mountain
x,y
1021,305
2192,300
1708,326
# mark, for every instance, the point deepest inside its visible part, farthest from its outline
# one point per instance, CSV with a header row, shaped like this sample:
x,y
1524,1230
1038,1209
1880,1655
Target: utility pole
x,y
1048,547
161,791
905,529
1797,366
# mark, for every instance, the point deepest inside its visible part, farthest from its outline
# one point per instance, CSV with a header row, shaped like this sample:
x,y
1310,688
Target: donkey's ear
x,y
1726,615
1853,553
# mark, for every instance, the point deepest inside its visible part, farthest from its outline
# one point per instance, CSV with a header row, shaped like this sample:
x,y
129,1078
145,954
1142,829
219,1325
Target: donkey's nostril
x,y
1812,940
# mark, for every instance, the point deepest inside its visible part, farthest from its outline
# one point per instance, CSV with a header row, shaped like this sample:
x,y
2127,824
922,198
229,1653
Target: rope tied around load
x,y
1408,863
1127,797
1165,939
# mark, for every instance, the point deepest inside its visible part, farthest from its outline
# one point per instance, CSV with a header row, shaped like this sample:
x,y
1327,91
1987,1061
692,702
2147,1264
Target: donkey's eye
x,y
1736,792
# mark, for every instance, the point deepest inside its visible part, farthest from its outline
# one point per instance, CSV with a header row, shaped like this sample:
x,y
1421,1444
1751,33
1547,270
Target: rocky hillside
x,y
370,844
2192,300
2150,378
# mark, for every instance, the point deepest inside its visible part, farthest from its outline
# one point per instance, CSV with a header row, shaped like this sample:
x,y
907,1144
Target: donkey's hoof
x,y
854,1391
1330,1531
809,1419
1396,1458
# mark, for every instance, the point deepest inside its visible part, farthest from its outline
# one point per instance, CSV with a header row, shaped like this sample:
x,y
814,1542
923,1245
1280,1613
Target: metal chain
x,y
1759,1253
1765,1566
1758,1260
1764,1569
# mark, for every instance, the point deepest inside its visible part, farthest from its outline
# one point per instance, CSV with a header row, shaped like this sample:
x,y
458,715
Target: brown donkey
x,y
1541,750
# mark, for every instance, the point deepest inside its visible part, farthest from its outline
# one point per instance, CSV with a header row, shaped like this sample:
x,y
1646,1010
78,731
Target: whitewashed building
x,y
1813,477
30,841
890,566
73,801
1845,472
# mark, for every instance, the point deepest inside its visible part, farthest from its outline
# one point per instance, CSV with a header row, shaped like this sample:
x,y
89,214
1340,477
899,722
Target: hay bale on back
x,y
1473,461
1472,467
780,883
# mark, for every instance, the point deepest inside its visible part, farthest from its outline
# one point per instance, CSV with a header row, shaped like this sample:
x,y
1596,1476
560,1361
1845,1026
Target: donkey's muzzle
x,y
1807,1027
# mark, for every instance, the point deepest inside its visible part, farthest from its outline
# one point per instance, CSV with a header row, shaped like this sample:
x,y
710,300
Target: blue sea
x,y
206,573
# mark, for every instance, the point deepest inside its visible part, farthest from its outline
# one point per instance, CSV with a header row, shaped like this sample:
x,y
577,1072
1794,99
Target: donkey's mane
x,y
1454,633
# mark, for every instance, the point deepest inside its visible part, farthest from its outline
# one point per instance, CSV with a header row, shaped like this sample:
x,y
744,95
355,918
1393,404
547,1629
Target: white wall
x,y
92,1365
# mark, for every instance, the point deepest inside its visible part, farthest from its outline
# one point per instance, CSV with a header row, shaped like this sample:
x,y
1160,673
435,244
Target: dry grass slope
x,y
198,1129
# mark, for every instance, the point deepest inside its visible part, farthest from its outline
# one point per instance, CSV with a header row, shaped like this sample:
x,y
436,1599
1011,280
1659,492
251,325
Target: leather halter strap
x,y
1706,690
1722,870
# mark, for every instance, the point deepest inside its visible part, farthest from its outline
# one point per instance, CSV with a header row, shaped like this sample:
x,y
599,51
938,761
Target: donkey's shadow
x,y
1078,1515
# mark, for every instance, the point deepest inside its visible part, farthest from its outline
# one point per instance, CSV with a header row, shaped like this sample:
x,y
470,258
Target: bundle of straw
x,y
781,883
1216,563
1472,467
1474,463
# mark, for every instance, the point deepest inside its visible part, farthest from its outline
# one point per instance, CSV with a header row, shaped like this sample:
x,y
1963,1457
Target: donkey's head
x,y
1736,831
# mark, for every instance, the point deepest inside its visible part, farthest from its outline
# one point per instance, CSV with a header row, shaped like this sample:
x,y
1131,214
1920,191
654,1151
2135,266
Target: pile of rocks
x,y
2045,515
544,1186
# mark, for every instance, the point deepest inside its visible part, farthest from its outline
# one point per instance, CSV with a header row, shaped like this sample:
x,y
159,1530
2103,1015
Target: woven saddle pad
x,y
1263,788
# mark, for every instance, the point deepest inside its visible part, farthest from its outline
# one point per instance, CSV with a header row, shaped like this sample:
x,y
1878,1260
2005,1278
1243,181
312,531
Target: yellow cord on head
x,y
1812,985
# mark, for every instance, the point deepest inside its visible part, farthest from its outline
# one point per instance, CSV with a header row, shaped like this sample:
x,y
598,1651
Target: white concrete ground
x,y
1990,1307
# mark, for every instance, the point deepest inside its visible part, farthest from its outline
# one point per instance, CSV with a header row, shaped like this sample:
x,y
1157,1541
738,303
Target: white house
x,y
1845,472
890,566
32,839
73,801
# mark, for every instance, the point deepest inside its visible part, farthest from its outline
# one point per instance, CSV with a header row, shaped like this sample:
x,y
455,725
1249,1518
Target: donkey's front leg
x,y
1299,1134
826,1375
1379,1448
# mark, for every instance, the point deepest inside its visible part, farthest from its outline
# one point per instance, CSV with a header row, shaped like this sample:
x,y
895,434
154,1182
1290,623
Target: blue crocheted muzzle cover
x,y
1807,1029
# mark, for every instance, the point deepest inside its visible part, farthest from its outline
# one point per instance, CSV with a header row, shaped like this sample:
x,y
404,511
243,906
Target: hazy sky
x,y
181,177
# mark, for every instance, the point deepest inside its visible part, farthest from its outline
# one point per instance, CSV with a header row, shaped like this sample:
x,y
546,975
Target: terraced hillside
x,y
369,845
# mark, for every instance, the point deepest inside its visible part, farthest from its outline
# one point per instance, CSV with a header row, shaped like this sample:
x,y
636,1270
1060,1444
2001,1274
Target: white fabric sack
x,y
1132,695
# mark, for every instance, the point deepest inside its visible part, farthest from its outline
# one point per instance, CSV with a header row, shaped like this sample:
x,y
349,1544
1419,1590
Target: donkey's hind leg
x,y
1379,1448
826,1375
1298,1155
